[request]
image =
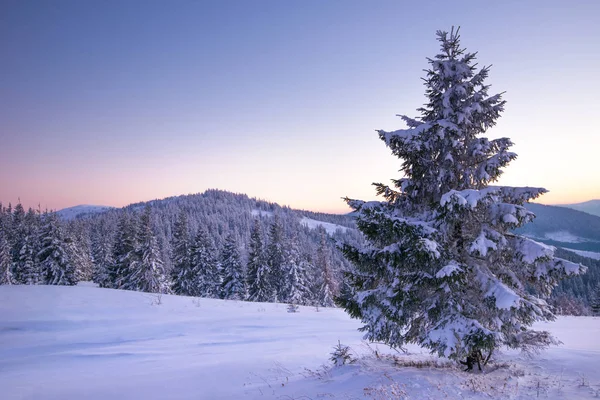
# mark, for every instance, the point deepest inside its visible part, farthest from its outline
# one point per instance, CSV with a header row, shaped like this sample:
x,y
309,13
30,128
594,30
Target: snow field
x,y
79,342
565,237
329,227
589,254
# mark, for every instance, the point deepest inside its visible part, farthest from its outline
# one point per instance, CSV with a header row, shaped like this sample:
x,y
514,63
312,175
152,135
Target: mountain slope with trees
x,y
214,244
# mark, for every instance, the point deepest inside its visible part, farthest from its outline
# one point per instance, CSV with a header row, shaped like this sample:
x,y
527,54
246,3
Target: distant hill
x,y
81,211
590,207
564,227
220,214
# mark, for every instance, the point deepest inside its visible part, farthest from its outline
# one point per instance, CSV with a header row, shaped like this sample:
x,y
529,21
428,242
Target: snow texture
x,y
329,227
448,270
583,253
531,251
86,342
564,236
261,213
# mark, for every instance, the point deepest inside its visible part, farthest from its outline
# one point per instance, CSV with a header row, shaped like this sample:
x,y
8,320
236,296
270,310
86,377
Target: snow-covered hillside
x,y
589,254
70,213
563,227
85,342
329,227
563,236
310,223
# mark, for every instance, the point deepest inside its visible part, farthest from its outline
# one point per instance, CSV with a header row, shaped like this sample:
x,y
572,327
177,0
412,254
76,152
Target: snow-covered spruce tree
x,y
234,281
442,267
295,289
258,278
125,254
102,254
55,255
80,251
326,288
182,274
595,300
148,274
276,258
29,269
206,265
6,275
17,235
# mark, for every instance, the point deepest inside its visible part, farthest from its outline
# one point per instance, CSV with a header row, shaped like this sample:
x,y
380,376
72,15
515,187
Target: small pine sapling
x,y
341,355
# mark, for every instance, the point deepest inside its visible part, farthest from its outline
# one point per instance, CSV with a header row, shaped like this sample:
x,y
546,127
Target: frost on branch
x,y
442,267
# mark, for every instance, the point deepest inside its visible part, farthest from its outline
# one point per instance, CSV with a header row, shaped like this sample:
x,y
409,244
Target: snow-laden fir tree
x,y
29,269
326,283
102,254
258,278
206,263
125,253
148,274
81,254
295,289
595,300
234,280
55,254
442,267
276,258
184,277
6,275
18,232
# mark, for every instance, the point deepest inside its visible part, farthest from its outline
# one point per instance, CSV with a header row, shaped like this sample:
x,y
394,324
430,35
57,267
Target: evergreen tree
x,y
148,274
55,258
125,254
595,300
102,254
18,232
234,285
327,287
6,276
184,277
276,259
80,252
206,266
28,267
442,267
259,281
295,289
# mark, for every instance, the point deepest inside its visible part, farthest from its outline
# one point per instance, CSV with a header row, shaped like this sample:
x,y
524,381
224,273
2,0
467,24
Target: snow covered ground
x,y
261,213
329,227
564,236
85,342
589,254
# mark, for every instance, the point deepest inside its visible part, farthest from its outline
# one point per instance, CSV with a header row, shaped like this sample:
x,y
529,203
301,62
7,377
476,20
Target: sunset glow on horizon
x,y
113,103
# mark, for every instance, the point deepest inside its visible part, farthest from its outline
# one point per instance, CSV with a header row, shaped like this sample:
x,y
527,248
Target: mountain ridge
x,y
81,211
590,206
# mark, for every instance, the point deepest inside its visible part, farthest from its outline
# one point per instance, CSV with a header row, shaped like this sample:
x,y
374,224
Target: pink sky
x,y
124,102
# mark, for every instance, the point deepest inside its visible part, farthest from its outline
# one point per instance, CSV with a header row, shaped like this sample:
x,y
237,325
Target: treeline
x,y
216,244
35,248
578,295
